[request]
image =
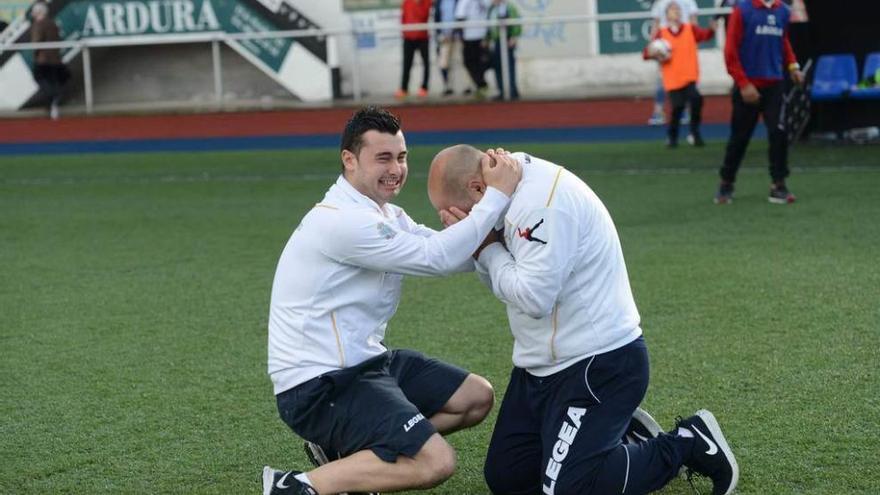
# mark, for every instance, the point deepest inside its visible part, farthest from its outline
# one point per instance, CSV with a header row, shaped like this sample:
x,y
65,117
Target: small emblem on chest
x,y
385,230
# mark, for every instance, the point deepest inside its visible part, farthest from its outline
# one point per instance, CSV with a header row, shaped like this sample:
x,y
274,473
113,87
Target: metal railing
x,y
216,37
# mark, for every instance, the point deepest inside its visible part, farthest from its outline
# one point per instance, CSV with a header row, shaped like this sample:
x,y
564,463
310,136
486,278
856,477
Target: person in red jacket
x,y
414,12
680,69
758,54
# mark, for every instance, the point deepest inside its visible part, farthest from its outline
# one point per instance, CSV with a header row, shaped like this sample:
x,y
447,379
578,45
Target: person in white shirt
x,y
372,418
580,361
474,50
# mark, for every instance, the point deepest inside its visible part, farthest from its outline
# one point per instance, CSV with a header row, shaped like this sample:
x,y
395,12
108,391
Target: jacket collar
x,y
346,189
759,4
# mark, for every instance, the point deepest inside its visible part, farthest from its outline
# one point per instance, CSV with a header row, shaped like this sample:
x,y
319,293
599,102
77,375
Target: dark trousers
x,y
474,61
679,98
561,434
511,69
409,51
51,79
742,124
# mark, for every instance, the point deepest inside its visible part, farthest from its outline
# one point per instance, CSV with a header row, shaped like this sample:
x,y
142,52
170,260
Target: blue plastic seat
x,y
872,65
835,77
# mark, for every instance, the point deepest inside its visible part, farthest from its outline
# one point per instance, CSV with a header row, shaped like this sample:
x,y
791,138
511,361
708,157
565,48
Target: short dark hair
x,y
367,119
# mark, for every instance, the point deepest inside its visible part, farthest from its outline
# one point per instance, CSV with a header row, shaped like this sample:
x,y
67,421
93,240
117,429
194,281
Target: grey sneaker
x,y
724,195
657,119
780,195
696,139
315,454
642,426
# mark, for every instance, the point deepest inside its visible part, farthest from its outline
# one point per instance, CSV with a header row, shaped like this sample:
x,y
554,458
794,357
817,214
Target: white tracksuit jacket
x,y
561,274
338,280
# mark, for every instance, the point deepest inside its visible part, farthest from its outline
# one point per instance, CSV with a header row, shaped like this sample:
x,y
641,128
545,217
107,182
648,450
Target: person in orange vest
x,y
675,47
414,12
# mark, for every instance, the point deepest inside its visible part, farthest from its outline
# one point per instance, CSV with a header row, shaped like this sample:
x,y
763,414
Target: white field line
x,y
246,178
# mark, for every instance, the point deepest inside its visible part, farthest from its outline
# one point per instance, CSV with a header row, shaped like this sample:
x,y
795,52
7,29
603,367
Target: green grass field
x,y
134,294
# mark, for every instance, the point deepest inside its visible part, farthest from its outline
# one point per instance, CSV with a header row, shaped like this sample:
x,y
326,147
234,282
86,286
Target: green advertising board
x,y
112,18
300,65
352,5
629,36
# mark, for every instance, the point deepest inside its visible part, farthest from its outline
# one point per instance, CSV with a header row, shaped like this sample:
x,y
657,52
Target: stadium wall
x,y
555,60
139,76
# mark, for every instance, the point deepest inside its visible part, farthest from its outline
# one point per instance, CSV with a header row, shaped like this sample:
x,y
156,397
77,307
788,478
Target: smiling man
x,y
379,414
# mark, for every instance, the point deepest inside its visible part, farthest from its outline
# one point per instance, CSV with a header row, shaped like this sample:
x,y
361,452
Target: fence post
x,y
87,78
356,73
218,71
505,59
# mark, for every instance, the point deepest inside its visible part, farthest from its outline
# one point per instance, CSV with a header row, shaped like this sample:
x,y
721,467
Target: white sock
x,y
684,432
304,478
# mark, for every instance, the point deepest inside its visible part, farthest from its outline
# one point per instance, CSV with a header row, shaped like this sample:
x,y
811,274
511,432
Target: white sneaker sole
x,y
268,480
647,421
316,454
718,437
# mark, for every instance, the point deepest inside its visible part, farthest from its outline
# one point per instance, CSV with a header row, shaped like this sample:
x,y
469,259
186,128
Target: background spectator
x,y
447,39
689,11
414,12
681,70
758,54
502,9
474,38
49,72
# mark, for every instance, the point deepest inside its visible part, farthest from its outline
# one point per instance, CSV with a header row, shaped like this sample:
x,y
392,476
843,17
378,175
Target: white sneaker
x,y
315,454
269,476
54,114
657,119
641,427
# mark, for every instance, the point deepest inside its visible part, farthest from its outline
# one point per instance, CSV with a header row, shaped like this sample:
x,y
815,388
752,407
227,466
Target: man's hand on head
x,y
501,170
451,216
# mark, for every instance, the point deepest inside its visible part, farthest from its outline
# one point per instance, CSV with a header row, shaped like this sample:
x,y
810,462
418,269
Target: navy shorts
x,y
382,404
553,432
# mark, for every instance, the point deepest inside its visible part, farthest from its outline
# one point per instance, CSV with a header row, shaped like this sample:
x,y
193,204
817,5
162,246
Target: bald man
x,y
580,361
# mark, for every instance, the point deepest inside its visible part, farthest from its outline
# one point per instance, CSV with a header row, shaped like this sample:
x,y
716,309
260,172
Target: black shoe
x,y
779,194
318,458
725,194
447,92
283,483
641,427
711,455
671,143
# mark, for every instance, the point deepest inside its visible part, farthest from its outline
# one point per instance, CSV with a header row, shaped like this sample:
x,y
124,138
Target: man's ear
x,y
349,160
476,185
